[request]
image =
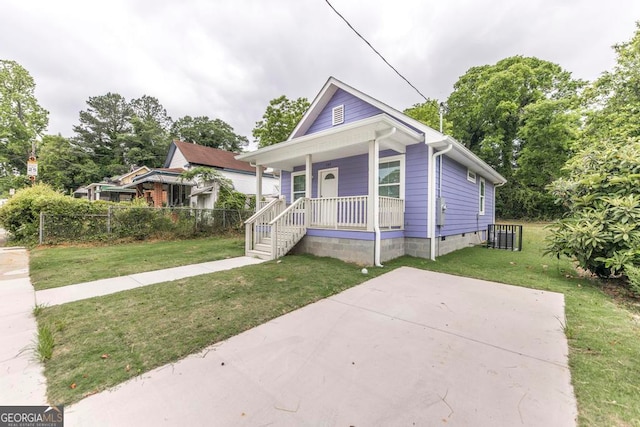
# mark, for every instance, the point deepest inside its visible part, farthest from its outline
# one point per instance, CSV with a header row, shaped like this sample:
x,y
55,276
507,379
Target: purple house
x,y
362,182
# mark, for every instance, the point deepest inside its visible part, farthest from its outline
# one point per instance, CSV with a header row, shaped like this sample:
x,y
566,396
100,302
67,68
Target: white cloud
x,y
227,58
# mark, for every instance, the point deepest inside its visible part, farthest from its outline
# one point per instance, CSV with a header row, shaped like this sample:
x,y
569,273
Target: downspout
x,y
432,194
376,195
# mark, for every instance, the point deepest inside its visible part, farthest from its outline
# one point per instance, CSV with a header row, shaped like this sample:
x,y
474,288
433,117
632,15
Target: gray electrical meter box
x,y
441,208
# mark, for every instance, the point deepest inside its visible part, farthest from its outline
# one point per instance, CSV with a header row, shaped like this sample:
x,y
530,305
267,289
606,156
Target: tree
x,y
613,100
64,166
279,120
601,190
513,115
104,130
22,119
429,113
210,133
119,135
151,133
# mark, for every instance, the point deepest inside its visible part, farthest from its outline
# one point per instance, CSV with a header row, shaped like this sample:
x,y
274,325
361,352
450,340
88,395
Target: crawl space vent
x,y
338,115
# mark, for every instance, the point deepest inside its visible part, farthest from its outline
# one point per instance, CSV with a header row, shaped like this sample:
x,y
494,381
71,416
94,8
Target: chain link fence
x,y
139,223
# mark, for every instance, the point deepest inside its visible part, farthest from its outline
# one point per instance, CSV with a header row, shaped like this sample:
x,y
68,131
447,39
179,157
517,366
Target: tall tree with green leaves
x,y
22,119
105,130
214,133
278,121
151,137
64,166
520,115
613,100
428,113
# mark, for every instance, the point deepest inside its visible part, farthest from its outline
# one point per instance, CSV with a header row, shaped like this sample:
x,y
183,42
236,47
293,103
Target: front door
x,y
328,186
326,213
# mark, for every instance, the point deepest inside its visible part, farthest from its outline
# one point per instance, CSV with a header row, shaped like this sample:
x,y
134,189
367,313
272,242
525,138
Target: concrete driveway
x,y
408,348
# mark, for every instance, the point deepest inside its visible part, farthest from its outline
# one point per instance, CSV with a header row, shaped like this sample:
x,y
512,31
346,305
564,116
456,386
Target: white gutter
x,y
376,195
431,226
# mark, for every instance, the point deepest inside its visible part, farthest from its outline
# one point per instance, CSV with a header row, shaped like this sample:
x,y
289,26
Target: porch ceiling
x,y
344,141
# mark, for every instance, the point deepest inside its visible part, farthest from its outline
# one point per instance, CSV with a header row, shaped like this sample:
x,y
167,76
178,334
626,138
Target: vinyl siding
x,y
354,109
462,200
415,190
353,174
177,160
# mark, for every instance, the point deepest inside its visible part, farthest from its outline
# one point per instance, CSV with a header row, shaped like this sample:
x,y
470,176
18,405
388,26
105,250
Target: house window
x,y
391,177
298,185
337,116
481,196
471,176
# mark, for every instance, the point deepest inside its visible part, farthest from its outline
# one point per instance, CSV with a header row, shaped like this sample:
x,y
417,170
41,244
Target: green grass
x,y
149,327
54,266
45,342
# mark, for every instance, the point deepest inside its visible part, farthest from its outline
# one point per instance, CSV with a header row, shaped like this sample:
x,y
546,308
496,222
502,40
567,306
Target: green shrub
x,y
633,274
20,216
602,194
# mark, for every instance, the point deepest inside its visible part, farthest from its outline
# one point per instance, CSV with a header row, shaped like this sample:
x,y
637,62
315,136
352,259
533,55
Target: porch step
x,y
263,247
259,254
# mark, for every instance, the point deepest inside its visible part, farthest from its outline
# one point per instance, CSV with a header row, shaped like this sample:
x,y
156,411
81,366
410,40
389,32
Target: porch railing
x,y
351,212
391,212
288,228
257,227
339,212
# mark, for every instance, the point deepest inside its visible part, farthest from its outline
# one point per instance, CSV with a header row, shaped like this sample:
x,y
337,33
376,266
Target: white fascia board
x,y
332,139
314,110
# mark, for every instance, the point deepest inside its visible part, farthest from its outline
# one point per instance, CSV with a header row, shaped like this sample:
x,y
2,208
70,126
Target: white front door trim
x,y
321,178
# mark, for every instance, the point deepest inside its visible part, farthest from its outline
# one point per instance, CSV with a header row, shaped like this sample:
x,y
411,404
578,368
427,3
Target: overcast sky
x,y
227,58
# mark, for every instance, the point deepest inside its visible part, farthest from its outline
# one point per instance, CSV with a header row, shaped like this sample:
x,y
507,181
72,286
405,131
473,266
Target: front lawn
x,y
54,266
149,327
103,341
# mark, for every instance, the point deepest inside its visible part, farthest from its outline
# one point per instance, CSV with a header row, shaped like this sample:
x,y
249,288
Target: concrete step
x,y
259,254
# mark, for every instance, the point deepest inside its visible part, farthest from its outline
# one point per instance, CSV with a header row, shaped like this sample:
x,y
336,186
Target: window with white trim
x,y
471,176
481,196
391,177
298,185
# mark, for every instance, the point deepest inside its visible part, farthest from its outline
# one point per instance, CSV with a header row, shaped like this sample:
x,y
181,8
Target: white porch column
x,y
308,175
373,173
258,186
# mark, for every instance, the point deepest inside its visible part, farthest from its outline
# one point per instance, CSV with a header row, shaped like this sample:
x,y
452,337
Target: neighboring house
x,y
242,175
362,182
113,189
162,187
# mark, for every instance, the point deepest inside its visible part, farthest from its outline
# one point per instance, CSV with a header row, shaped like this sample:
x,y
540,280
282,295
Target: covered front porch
x,y
331,184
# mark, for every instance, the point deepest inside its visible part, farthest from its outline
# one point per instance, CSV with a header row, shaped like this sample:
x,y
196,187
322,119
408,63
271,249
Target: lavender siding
x,y
354,109
462,200
415,190
353,173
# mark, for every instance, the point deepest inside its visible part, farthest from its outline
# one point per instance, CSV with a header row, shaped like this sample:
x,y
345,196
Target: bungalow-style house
x,y
363,182
185,155
113,189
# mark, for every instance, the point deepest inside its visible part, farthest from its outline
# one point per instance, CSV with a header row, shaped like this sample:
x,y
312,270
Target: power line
x,y
374,49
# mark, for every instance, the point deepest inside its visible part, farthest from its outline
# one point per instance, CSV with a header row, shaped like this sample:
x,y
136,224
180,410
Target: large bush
x,y
602,194
20,216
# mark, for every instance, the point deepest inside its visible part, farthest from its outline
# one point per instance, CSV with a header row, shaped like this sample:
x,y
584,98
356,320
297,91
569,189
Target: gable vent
x,y
338,115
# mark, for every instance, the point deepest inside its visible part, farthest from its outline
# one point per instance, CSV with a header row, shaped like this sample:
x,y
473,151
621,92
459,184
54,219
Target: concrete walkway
x,y
21,378
410,347
102,287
